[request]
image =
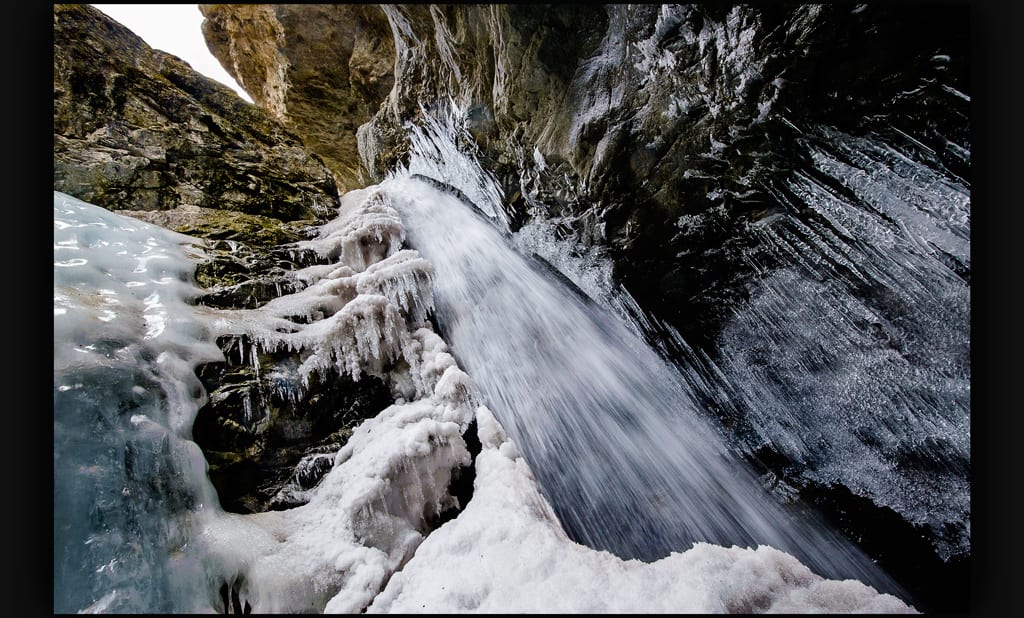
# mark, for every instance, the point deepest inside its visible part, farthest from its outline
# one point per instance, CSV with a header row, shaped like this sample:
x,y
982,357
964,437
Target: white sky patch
x,y
176,29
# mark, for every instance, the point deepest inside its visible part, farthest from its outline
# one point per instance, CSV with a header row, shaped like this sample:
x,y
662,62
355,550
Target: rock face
x,y
268,442
323,84
786,186
137,129
642,115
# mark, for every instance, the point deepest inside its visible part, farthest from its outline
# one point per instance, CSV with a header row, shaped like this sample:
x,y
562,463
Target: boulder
x,y
322,84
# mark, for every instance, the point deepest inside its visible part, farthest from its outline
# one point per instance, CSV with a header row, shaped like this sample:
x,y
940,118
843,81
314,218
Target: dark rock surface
x,y
644,115
266,437
137,129
787,186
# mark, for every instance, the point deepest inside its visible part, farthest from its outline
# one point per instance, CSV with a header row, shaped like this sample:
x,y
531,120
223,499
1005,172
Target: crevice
x,y
461,485
231,598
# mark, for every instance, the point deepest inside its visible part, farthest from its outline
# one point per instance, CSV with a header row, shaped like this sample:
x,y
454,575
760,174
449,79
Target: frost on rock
x,y
366,230
356,314
406,280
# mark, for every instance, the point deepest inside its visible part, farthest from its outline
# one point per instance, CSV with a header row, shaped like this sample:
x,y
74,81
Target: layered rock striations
x,y
323,84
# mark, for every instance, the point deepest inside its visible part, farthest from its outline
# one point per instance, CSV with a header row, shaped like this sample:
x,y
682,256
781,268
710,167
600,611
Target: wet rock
x,y
267,437
678,126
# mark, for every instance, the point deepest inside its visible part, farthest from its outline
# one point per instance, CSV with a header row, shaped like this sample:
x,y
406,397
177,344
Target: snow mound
x,y
506,552
364,521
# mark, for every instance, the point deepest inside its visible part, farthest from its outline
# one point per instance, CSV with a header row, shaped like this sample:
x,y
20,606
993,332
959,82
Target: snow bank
x,y
507,553
363,522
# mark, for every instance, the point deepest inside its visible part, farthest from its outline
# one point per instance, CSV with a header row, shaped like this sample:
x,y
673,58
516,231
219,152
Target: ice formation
x,y
127,484
367,525
506,552
367,516
354,315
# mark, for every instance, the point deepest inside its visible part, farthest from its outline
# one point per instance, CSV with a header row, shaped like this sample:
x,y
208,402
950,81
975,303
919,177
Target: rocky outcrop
x,y
266,439
137,129
323,84
729,159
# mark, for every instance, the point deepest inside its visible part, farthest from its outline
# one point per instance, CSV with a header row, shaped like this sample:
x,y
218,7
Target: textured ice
x,y
366,231
434,153
128,483
726,52
588,267
362,523
369,513
355,315
406,280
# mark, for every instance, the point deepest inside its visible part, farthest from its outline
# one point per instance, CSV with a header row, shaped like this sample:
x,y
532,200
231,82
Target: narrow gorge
x,y
515,308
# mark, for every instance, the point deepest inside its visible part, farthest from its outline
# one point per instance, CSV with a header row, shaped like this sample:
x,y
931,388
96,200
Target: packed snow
x,y
507,553
123,308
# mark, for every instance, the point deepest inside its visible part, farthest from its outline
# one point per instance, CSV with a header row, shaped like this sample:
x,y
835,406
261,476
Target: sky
x,y
176,29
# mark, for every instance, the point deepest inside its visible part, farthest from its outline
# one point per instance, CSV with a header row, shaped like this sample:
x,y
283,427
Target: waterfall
x,y
619,447
617,443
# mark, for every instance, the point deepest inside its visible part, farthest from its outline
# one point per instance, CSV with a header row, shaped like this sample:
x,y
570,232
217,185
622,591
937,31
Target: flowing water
x,y
619,447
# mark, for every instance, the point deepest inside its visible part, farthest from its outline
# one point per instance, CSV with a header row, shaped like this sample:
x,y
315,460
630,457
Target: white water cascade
x,y
617,444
